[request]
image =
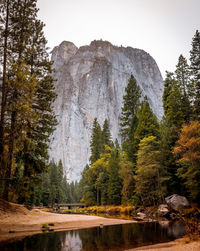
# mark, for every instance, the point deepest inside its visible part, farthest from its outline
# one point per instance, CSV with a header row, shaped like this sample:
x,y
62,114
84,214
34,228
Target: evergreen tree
x,y
106,135
22,95
60,191
53,187
100,173
147,122
171,124
4,33
23,32
96,144
87,183
195,71
149,172
131,101
130,105
182,75
53,173
45,190
114,179
66,191
127,172
116,144
101,183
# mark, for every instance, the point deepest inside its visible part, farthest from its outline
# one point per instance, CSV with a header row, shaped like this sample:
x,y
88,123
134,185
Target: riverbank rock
x,y
177,202
163,210
141,216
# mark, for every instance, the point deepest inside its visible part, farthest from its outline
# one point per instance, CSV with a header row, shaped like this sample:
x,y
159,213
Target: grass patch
x,y
107,210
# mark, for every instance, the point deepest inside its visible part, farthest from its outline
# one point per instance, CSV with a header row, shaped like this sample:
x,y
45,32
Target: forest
x,y
157,158
154,158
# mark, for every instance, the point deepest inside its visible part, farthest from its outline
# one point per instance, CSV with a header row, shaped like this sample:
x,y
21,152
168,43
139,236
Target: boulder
x,y
141,216
163,210
177,202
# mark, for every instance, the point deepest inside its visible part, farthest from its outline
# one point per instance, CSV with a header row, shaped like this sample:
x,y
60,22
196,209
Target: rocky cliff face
x,y
90,82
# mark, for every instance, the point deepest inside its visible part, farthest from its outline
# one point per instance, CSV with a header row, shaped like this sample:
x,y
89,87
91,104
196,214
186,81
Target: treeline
x,y
100,182
27,93
52,188
157,158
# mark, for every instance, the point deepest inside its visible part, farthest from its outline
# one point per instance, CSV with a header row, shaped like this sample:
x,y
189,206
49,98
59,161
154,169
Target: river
x,y
103,238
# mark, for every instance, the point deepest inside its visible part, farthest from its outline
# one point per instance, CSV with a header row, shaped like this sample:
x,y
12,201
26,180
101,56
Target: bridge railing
x,y
68,206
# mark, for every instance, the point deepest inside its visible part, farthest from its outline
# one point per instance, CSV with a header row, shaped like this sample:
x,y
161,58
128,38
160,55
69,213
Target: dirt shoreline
x,y
176,245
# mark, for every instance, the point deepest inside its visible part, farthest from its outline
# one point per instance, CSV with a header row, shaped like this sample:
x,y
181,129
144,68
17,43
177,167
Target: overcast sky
x,y
163,28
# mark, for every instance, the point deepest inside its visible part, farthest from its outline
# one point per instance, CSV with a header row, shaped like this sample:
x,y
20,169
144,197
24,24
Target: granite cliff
x,y
90,82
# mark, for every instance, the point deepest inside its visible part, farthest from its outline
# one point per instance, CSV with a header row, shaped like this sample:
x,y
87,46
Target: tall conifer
x,y
171,125
195,70
149,172
106,135
182,75
96,145
131,101
147,122
28,45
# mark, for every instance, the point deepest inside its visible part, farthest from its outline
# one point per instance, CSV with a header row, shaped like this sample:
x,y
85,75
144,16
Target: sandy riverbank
x,y
14,226
177,245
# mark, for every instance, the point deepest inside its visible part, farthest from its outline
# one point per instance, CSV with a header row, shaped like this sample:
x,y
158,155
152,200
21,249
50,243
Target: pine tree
x,y
22,95
127,171
99,170
45,189
116,144
114,179
4,33
171,125
106,135
147,122
195,71
96,144
89,188
131,101
60,191
182,75
28,45
66,191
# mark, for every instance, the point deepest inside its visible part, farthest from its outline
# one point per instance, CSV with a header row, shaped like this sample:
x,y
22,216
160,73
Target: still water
x,y
117,237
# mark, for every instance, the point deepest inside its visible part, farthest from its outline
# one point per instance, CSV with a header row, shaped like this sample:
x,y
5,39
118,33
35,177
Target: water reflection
x,y
118,237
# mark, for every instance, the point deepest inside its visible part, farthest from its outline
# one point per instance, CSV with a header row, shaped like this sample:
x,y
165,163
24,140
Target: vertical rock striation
x,y
90,82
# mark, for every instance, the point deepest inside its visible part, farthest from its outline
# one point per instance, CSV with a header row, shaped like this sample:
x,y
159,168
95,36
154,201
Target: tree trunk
x,y
4,94
10,155
97,196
